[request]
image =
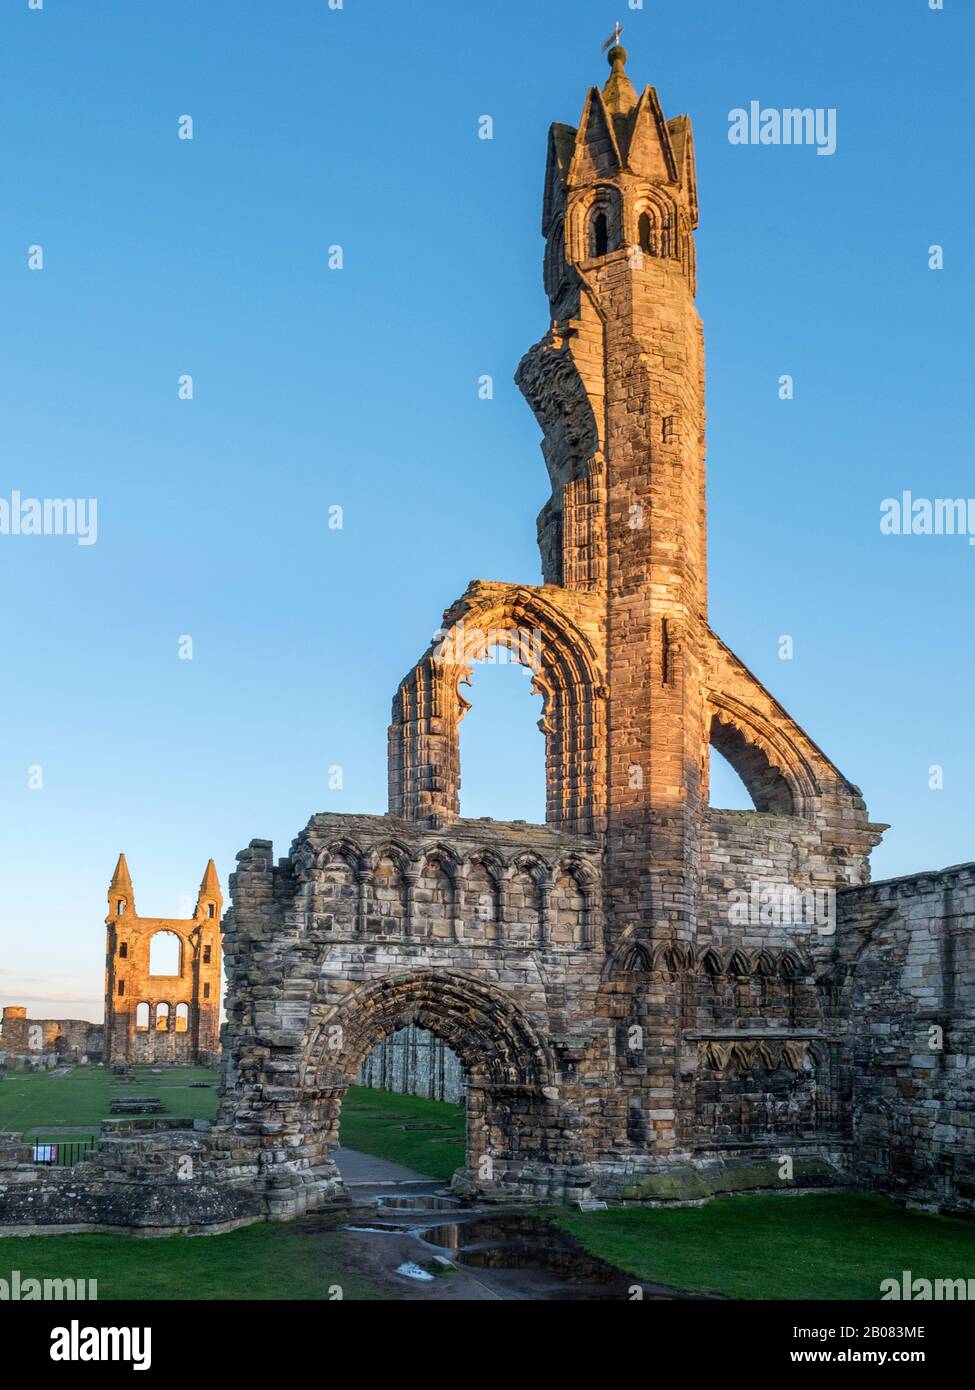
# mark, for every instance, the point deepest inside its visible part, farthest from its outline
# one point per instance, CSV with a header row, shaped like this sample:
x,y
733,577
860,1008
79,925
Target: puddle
x,y
509,1255
519,1242
419,1202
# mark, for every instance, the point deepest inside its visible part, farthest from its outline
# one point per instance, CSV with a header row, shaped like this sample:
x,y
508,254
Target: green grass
x,y
823,1246
372,1122
275,1261
31,1102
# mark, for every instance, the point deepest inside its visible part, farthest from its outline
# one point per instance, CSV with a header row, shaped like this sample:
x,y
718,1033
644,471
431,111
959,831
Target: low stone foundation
x,y
155,1177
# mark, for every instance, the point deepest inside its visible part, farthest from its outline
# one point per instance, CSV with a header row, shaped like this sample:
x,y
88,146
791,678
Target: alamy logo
x,y
792,125
77,1343
50,516
783,905
908,515
460,645
913,1290
16,1289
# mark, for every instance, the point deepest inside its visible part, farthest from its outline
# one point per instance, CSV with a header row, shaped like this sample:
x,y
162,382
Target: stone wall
x,y
69,1039
908,956
153,1017
415,1062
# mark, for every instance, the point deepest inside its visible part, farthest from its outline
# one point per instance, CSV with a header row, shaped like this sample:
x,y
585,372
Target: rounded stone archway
x,y
513,1116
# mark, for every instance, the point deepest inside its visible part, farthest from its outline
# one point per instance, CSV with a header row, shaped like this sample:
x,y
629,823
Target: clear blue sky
x,y
359,388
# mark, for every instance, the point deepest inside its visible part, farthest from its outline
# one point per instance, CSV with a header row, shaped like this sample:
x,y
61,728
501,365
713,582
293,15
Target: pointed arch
x,y
773,773
567,670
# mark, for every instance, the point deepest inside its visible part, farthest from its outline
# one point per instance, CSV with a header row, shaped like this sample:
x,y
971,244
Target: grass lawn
x,y
823,1246
31,1102
372,1122
277,1261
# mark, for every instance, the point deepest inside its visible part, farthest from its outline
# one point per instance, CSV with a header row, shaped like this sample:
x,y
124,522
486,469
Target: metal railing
x,y
62,1154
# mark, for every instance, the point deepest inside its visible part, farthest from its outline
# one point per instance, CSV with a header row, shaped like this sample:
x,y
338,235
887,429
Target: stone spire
x,y
210,889
121,888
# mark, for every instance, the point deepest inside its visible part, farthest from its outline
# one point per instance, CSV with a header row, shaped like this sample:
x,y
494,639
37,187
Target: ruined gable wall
x,y
908,946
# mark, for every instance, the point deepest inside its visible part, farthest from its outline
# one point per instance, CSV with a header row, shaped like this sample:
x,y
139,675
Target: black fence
x,y
62,1154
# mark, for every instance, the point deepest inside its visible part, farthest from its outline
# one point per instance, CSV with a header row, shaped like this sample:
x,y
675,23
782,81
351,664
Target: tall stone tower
x,y
162,1010
627,987
617,386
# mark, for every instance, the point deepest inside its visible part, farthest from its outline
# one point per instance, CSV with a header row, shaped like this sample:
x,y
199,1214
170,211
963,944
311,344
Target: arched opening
x,y
142,1018
599,234
165,954
750,756
182,1018
646,234
512,1114
408,1105
162,1018
727,791
502,748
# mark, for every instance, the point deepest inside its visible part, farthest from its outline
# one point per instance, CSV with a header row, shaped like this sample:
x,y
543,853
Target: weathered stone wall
x,y
415,1062
68,1038
162,1018
908,958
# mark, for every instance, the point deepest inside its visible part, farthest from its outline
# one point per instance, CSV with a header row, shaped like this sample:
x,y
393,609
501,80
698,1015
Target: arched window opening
x,y
142,1018
162,1018
165,954
502,749
599,235
766,787
182,1018
727,791
646,235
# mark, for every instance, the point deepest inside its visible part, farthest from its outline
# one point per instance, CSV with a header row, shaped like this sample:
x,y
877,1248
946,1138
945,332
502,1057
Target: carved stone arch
x,y
446,857
489,860
676,956
739,964
511,1072
424,767
585,206
495,1040
577,867
711,962
555,262
345,849
386,889
635,960
660,216
485,919
395,852
764,964
437,888
791,967
532,863
777,776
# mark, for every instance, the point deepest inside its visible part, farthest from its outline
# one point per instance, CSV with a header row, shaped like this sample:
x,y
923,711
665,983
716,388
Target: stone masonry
x,y
162,1018
650,998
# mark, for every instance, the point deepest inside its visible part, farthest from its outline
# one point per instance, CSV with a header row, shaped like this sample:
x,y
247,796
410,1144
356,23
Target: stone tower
x,y
646,987
154,1017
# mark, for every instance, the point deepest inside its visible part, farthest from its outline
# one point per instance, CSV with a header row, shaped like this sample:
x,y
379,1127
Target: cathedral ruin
x,y
651,998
